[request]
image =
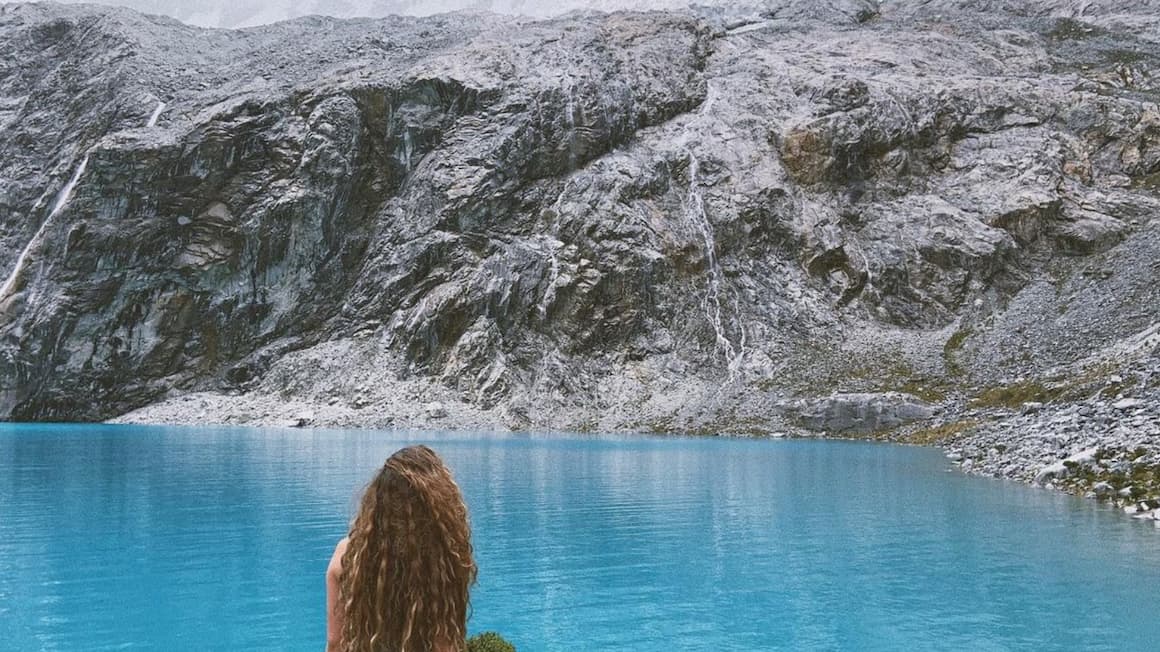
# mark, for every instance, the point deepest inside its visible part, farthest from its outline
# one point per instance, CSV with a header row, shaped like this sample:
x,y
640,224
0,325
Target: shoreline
x,y
1104,450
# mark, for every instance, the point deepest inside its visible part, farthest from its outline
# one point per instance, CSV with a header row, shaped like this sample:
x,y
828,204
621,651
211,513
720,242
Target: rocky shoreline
x,y
1098,439
1104,446
1104,450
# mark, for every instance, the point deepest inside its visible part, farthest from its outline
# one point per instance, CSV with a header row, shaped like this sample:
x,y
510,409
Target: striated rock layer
x,y
795,216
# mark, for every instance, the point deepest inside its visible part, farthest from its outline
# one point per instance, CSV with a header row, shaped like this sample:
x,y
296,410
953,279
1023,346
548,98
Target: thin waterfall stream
x,y
698,218
156,115
62,199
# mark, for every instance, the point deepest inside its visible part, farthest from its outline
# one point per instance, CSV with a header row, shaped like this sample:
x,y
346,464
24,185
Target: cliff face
x,y
661,221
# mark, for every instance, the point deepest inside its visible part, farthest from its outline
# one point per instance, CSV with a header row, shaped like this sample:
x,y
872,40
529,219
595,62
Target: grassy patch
x,y
1014,396
1094,379
1114,389
925,389
1067,29
953,345
939,434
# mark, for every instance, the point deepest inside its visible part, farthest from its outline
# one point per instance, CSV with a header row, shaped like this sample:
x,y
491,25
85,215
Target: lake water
x,y
118,537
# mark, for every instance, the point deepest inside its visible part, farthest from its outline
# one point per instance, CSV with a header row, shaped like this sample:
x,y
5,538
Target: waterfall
x,y
156,115
697,217
695,214
406,150
61,201
568,85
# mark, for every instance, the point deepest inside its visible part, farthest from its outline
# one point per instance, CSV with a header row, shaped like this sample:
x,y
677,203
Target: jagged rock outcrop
x,y
668,221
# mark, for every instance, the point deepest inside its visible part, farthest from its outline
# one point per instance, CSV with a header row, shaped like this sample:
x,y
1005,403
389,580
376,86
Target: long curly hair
x,y
409,567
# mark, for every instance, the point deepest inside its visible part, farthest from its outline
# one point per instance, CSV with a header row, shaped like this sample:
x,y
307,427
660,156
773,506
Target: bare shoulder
x,y
335,567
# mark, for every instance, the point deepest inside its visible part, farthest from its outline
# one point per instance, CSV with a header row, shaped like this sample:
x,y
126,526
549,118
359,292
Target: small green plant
x,y
489,642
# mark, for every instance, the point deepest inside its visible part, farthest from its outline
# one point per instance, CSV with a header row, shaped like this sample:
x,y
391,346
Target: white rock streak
x,y
61,201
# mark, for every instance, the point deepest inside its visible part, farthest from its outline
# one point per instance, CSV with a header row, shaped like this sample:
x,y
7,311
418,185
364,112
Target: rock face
x,y
668,221
858,413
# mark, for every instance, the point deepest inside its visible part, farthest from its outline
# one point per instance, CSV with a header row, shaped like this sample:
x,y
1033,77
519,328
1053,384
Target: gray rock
x,y
1064,467
843,413
435,411
302,420
1128,404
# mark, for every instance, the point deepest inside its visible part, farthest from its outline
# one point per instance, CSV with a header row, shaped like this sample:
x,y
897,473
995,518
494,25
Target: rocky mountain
x,y
249,13
797,216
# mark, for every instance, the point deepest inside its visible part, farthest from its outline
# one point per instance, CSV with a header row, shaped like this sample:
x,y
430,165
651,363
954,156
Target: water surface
x,y
116,537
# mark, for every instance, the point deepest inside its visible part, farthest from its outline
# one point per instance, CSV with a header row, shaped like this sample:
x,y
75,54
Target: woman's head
x,y
409,566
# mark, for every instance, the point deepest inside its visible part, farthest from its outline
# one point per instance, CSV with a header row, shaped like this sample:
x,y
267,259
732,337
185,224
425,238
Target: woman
x,y
400,581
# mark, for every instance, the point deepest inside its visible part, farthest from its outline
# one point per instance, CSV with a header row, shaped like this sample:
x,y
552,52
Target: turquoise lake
x,y
117,537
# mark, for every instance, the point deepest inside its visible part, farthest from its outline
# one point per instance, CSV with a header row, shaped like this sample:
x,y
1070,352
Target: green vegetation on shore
x,y
489,642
